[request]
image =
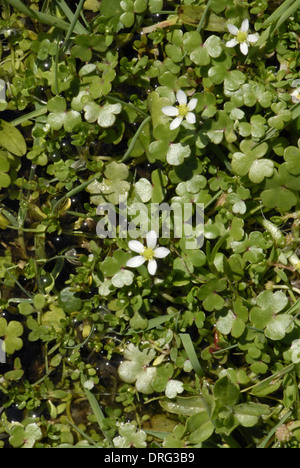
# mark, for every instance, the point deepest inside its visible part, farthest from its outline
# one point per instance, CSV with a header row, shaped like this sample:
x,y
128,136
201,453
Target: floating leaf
x,y
292,157
177,153
12,139
122,278
266,315
281,190
104,115
11,332
135,368
248,161
144,189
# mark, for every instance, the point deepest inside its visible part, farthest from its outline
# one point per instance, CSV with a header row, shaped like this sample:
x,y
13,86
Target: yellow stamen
x,y
148,254
241,36
183,110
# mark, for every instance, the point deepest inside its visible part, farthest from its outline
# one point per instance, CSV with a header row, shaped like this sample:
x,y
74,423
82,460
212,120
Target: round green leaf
x,y
12,139
200,56
69,300
177,153
226,391
292,157
277,328
4,164
144,189
260,169
5,180
122,278
213,45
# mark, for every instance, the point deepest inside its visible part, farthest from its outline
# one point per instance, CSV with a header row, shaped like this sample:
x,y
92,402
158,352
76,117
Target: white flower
x,y
241,37
296,93
148,253
183,110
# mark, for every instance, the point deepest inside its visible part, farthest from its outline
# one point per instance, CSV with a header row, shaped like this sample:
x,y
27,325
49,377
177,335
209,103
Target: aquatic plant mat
x,y
149,225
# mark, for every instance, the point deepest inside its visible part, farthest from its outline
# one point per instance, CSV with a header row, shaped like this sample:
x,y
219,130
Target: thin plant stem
x,y
39,16
73,23
203,18
134,139
127,104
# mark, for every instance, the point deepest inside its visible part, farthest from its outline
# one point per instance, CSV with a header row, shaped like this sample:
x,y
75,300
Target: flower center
x,y
148,254
183,110
241,36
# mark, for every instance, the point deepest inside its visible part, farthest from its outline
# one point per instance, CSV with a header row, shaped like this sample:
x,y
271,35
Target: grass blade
x,y
80,29
97,411
84,435
265,441
190,350
278,17
44,18
74,21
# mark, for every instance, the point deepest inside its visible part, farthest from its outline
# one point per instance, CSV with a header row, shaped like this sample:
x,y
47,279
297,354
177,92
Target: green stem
x,y
73,23
83,434
273,430
76,190
213,199
127,104
203,18
19,284
44,18
31,115
68,13
134,139
56,65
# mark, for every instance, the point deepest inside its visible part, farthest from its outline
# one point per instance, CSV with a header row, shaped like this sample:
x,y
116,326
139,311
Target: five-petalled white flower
x,y
295,94
183,110
241,36
147,253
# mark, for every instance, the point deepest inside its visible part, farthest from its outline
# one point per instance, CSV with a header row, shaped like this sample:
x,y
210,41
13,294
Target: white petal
x,y
170,110
161,252
231,43
190,117
136,246
295,95
296,83
135,262
152,267
252,38
181,97
245,25
151,239
244,48
192,104
232,29
175,123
